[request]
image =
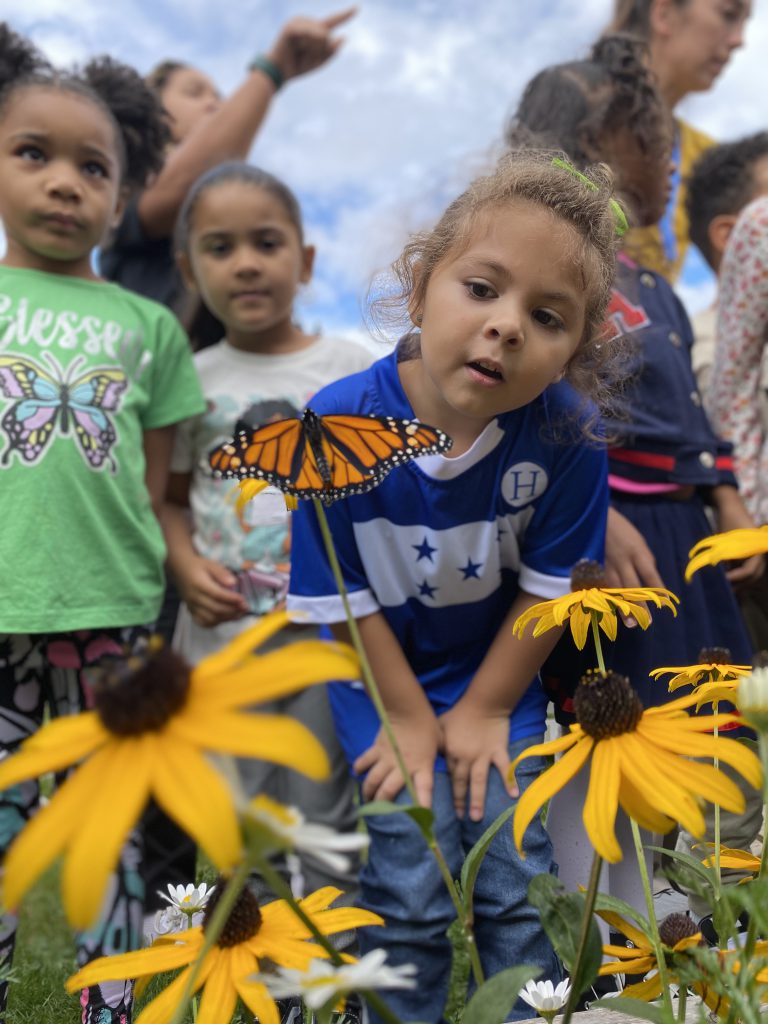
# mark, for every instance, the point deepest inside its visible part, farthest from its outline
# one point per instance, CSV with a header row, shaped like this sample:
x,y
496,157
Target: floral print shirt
x,y
742,335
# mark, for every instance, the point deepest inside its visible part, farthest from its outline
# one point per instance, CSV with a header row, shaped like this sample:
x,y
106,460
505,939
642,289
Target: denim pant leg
x,y
401,882
507,927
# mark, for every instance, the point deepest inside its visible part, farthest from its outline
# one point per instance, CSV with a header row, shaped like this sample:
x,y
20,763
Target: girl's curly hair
x,y
141,128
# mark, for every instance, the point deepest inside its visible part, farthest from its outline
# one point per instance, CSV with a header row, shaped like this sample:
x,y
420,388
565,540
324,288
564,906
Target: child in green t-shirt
x,y
92,381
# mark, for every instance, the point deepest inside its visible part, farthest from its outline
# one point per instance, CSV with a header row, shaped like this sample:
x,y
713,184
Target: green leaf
x,y
423,816
475,856
494,998
632,1007
561,915
707,874
605,902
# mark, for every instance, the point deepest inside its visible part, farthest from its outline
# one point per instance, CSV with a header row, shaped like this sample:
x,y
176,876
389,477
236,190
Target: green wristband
x,y
270,69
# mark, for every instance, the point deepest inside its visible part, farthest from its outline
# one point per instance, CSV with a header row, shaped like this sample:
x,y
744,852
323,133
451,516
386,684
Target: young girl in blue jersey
x,y
506,297
665,460
92,381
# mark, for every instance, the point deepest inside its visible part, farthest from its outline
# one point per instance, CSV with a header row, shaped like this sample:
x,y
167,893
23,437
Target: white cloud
x,y
378,141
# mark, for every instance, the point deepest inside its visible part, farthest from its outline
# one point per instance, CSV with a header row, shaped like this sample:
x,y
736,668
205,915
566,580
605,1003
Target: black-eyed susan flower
x,y
714,667
272,932
639,761
678,934
589,600
733,544
154,722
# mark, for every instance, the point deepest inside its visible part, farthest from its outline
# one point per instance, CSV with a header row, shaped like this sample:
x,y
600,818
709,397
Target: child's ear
x,y
185,269
122,199
719,231
307,263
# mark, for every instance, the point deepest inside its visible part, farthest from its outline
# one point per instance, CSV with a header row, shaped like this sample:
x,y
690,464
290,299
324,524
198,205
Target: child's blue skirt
x,y
708,614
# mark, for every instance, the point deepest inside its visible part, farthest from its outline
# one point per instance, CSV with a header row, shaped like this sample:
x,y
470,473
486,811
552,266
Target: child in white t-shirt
x,y
240,244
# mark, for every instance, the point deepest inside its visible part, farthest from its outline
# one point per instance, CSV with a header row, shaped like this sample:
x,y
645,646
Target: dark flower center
x,y
606,705
715,656
587,574
676,927
139,691
244,918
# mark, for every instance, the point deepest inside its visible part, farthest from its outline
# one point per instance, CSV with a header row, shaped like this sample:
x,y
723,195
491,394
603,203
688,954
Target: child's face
x,y
501,318
246,259
59,180
189,96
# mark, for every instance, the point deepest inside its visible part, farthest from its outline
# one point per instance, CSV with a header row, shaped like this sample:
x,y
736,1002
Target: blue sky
x,y
412,107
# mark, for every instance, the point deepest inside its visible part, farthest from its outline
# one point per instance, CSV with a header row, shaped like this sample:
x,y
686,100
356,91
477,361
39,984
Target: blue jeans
x,y
401,882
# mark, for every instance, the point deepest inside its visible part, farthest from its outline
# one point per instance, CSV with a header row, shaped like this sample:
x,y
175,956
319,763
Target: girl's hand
x,y
207,589
418,737
305,43
629,562
473,741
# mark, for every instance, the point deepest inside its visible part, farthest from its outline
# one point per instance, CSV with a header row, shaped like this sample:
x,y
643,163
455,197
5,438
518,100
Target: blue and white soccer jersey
x,y
443,545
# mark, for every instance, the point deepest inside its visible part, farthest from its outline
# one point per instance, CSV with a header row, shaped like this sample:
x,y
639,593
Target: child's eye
x,y
221,248
548,319
268,243
480,290
95,169
31,153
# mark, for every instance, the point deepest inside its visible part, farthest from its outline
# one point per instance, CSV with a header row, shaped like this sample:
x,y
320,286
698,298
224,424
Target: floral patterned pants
x,y
47,669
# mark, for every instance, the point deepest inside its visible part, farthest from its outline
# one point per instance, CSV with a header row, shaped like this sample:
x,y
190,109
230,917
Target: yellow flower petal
x,y
163,1006
580,623
602,800
247,491
637,808
274,738
704,745
259,1002
241,647
46,835
196,796
142,962
658,788
548,748
115,806
548,783
279,673
646,990
52,749
219,999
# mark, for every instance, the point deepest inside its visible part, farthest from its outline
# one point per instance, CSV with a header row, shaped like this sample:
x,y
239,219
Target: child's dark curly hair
x,y
571,106
141,129
722,182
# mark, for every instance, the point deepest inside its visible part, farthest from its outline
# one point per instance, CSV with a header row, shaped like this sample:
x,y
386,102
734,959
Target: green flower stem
x,y
215,927
718,880
463,914
682,998
589,907
749,945
598,644
655,938
282,889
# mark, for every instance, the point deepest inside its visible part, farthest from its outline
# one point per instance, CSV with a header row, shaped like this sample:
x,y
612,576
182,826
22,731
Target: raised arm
x,y
303,45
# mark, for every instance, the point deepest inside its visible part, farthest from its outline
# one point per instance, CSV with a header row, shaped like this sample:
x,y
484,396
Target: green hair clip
x,y
621,218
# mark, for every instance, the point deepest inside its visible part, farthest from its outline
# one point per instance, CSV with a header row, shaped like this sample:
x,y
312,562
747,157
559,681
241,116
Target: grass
x,y
45,958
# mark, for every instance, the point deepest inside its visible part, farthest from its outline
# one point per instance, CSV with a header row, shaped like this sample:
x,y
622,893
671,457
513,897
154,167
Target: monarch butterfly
x,y
326,457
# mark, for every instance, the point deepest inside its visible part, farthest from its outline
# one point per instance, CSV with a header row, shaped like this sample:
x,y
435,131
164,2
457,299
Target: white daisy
x,y
324,982
286,828
189,900
545,998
